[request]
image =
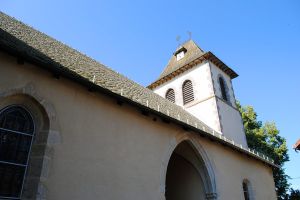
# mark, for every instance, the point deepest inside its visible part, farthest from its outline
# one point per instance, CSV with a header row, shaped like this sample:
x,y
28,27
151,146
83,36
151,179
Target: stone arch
x,y
200,159
46,135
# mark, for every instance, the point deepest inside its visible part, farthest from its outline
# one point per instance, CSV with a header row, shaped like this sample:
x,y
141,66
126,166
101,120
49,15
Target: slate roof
x,y
193,52
33,46
193,56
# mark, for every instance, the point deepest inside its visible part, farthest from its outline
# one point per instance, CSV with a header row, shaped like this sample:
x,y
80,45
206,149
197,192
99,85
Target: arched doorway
x,y
187,176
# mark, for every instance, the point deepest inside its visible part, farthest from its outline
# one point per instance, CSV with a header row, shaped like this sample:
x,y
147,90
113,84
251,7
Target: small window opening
x,y
170,95
187,92
180,55
246,190
223,88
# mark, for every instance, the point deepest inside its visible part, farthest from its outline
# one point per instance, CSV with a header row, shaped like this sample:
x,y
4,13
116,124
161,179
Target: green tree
x,y
294,195
265,138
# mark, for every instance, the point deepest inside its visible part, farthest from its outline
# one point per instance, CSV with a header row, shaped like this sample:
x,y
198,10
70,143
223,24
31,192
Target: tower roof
x,y
193,55
192,52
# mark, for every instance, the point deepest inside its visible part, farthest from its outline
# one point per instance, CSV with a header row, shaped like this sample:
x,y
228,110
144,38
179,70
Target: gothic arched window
x,y
187,92
16,136
246,190
223,88
170,95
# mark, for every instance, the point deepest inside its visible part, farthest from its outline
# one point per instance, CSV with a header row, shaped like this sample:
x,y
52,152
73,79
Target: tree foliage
x,y
265,138
294,195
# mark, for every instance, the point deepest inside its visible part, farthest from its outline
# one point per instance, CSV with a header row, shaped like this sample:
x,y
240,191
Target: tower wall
x,y
208,104
229,117
204,106
207,112
215,74
231,123
201,80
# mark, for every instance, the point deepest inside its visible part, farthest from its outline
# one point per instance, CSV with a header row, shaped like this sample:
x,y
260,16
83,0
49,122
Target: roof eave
x,y
208,56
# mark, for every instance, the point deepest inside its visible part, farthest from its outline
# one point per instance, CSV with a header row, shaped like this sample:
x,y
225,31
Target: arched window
x,y
223,88
170,95
16,136
187,92
246,190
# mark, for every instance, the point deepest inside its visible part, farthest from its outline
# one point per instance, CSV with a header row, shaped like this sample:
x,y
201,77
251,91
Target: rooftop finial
x,y
190,34
178,39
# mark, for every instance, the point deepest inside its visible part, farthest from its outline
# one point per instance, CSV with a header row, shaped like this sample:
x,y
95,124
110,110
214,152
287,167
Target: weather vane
x,y
178,39
190,34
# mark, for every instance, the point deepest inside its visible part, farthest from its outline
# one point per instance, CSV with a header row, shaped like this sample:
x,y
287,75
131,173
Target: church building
x,y
72,128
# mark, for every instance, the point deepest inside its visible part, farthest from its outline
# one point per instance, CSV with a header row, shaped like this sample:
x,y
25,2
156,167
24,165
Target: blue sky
x,y
260,40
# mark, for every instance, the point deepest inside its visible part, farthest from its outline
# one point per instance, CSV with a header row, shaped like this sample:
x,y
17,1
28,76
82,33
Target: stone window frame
x,y
47,135
31,135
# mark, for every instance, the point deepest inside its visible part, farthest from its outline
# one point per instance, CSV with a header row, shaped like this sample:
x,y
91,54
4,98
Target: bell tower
x,y
201,83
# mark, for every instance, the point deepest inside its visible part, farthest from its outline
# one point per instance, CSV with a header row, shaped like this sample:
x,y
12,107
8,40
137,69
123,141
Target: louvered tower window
x,y
16,136
170,95
187,92
223,89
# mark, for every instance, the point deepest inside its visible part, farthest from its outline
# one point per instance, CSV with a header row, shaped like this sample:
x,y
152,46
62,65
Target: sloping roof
x,y
193,56
33,46
192,52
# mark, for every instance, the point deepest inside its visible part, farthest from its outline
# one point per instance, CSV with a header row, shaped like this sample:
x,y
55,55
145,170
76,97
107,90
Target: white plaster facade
x,y
204,105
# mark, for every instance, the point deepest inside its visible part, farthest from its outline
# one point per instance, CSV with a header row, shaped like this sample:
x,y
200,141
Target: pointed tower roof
x,y
192,55
192,51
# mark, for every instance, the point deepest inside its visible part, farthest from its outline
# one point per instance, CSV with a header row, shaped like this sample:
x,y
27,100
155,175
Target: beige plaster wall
x,y
107,151
232,168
